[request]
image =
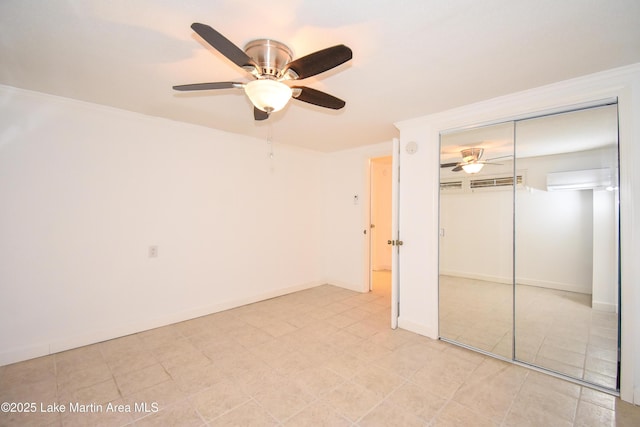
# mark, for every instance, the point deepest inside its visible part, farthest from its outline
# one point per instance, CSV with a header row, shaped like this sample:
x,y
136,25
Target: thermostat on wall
x,y
411,147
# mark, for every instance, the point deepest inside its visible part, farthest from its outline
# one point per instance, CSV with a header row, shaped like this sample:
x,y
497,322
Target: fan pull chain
x,y
270,141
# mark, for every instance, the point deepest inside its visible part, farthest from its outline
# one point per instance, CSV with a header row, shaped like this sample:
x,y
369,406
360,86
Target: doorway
x,y
380,210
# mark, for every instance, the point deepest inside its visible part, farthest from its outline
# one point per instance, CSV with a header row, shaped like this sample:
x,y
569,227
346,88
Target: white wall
x,y
554,239
477,240
85,190
419,198
605,251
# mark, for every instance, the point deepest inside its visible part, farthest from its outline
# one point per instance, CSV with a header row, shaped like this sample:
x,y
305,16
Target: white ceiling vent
x,y
468,184
587,179
451,185
495,182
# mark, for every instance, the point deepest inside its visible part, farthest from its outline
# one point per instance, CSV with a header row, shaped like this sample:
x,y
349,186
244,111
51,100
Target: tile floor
x,y
555,329
323,356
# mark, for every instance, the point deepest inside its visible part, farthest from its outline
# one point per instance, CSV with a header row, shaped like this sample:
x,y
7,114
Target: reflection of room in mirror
x,y
555,329
541,257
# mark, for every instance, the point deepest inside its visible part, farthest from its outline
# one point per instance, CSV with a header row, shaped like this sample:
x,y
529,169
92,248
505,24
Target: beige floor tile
x,y
218,399
418,401
340,320
194,379
185,361
114,413
599,398
159,396
15,390
345,365
222,348
369,351
30,371
351,400
593,415
159,336
445,374
249,336
491,388
132,382
386,414
534,418
134,360
627,415
173,349
76,380
241,364
78,359
121,345
99,393
293,363
538,403
317,414
283,399
178,414
247,414
317,380
454,414
547,382
272,363
31,419
378,380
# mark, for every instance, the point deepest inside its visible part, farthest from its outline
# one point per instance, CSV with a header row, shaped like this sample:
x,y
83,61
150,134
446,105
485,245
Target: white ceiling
x,y
410,58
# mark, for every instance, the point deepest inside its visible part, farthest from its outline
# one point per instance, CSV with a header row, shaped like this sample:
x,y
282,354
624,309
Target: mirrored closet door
x,y
566,244
476,238
529,242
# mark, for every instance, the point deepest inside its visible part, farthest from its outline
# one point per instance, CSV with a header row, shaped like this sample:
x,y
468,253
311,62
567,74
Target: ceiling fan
x,y
270,63
471,162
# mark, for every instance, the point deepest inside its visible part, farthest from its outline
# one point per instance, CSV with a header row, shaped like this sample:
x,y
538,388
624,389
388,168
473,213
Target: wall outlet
x,y
153,251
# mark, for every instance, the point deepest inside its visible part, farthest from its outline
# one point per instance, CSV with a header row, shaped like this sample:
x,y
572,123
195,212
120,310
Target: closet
x,y
529,242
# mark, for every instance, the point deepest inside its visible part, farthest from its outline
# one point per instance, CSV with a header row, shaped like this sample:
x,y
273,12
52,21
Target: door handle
x,y
395,242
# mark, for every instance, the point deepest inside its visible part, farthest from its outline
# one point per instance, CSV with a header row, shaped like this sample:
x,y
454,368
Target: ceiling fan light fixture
x,y
268,95
472,167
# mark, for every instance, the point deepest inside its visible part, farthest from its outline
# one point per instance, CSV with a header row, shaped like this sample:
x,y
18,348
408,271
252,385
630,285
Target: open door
x,y
395,235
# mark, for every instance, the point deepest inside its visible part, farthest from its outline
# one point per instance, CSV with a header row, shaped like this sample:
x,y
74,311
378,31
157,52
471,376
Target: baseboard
x,y
604,306
476,276
68,343
349,286
569,287
421,329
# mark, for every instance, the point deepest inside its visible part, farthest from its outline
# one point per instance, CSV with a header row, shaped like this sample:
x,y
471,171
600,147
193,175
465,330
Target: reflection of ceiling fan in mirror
x,y
471,162
270,63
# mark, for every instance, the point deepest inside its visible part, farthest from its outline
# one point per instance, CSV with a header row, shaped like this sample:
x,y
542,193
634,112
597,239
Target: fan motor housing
x,y
270,55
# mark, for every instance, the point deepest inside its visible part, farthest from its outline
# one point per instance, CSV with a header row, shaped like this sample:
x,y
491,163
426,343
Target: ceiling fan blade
x,y
320,61
223,45
448,165
457,168
209,86
319,98
501,157
258,114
